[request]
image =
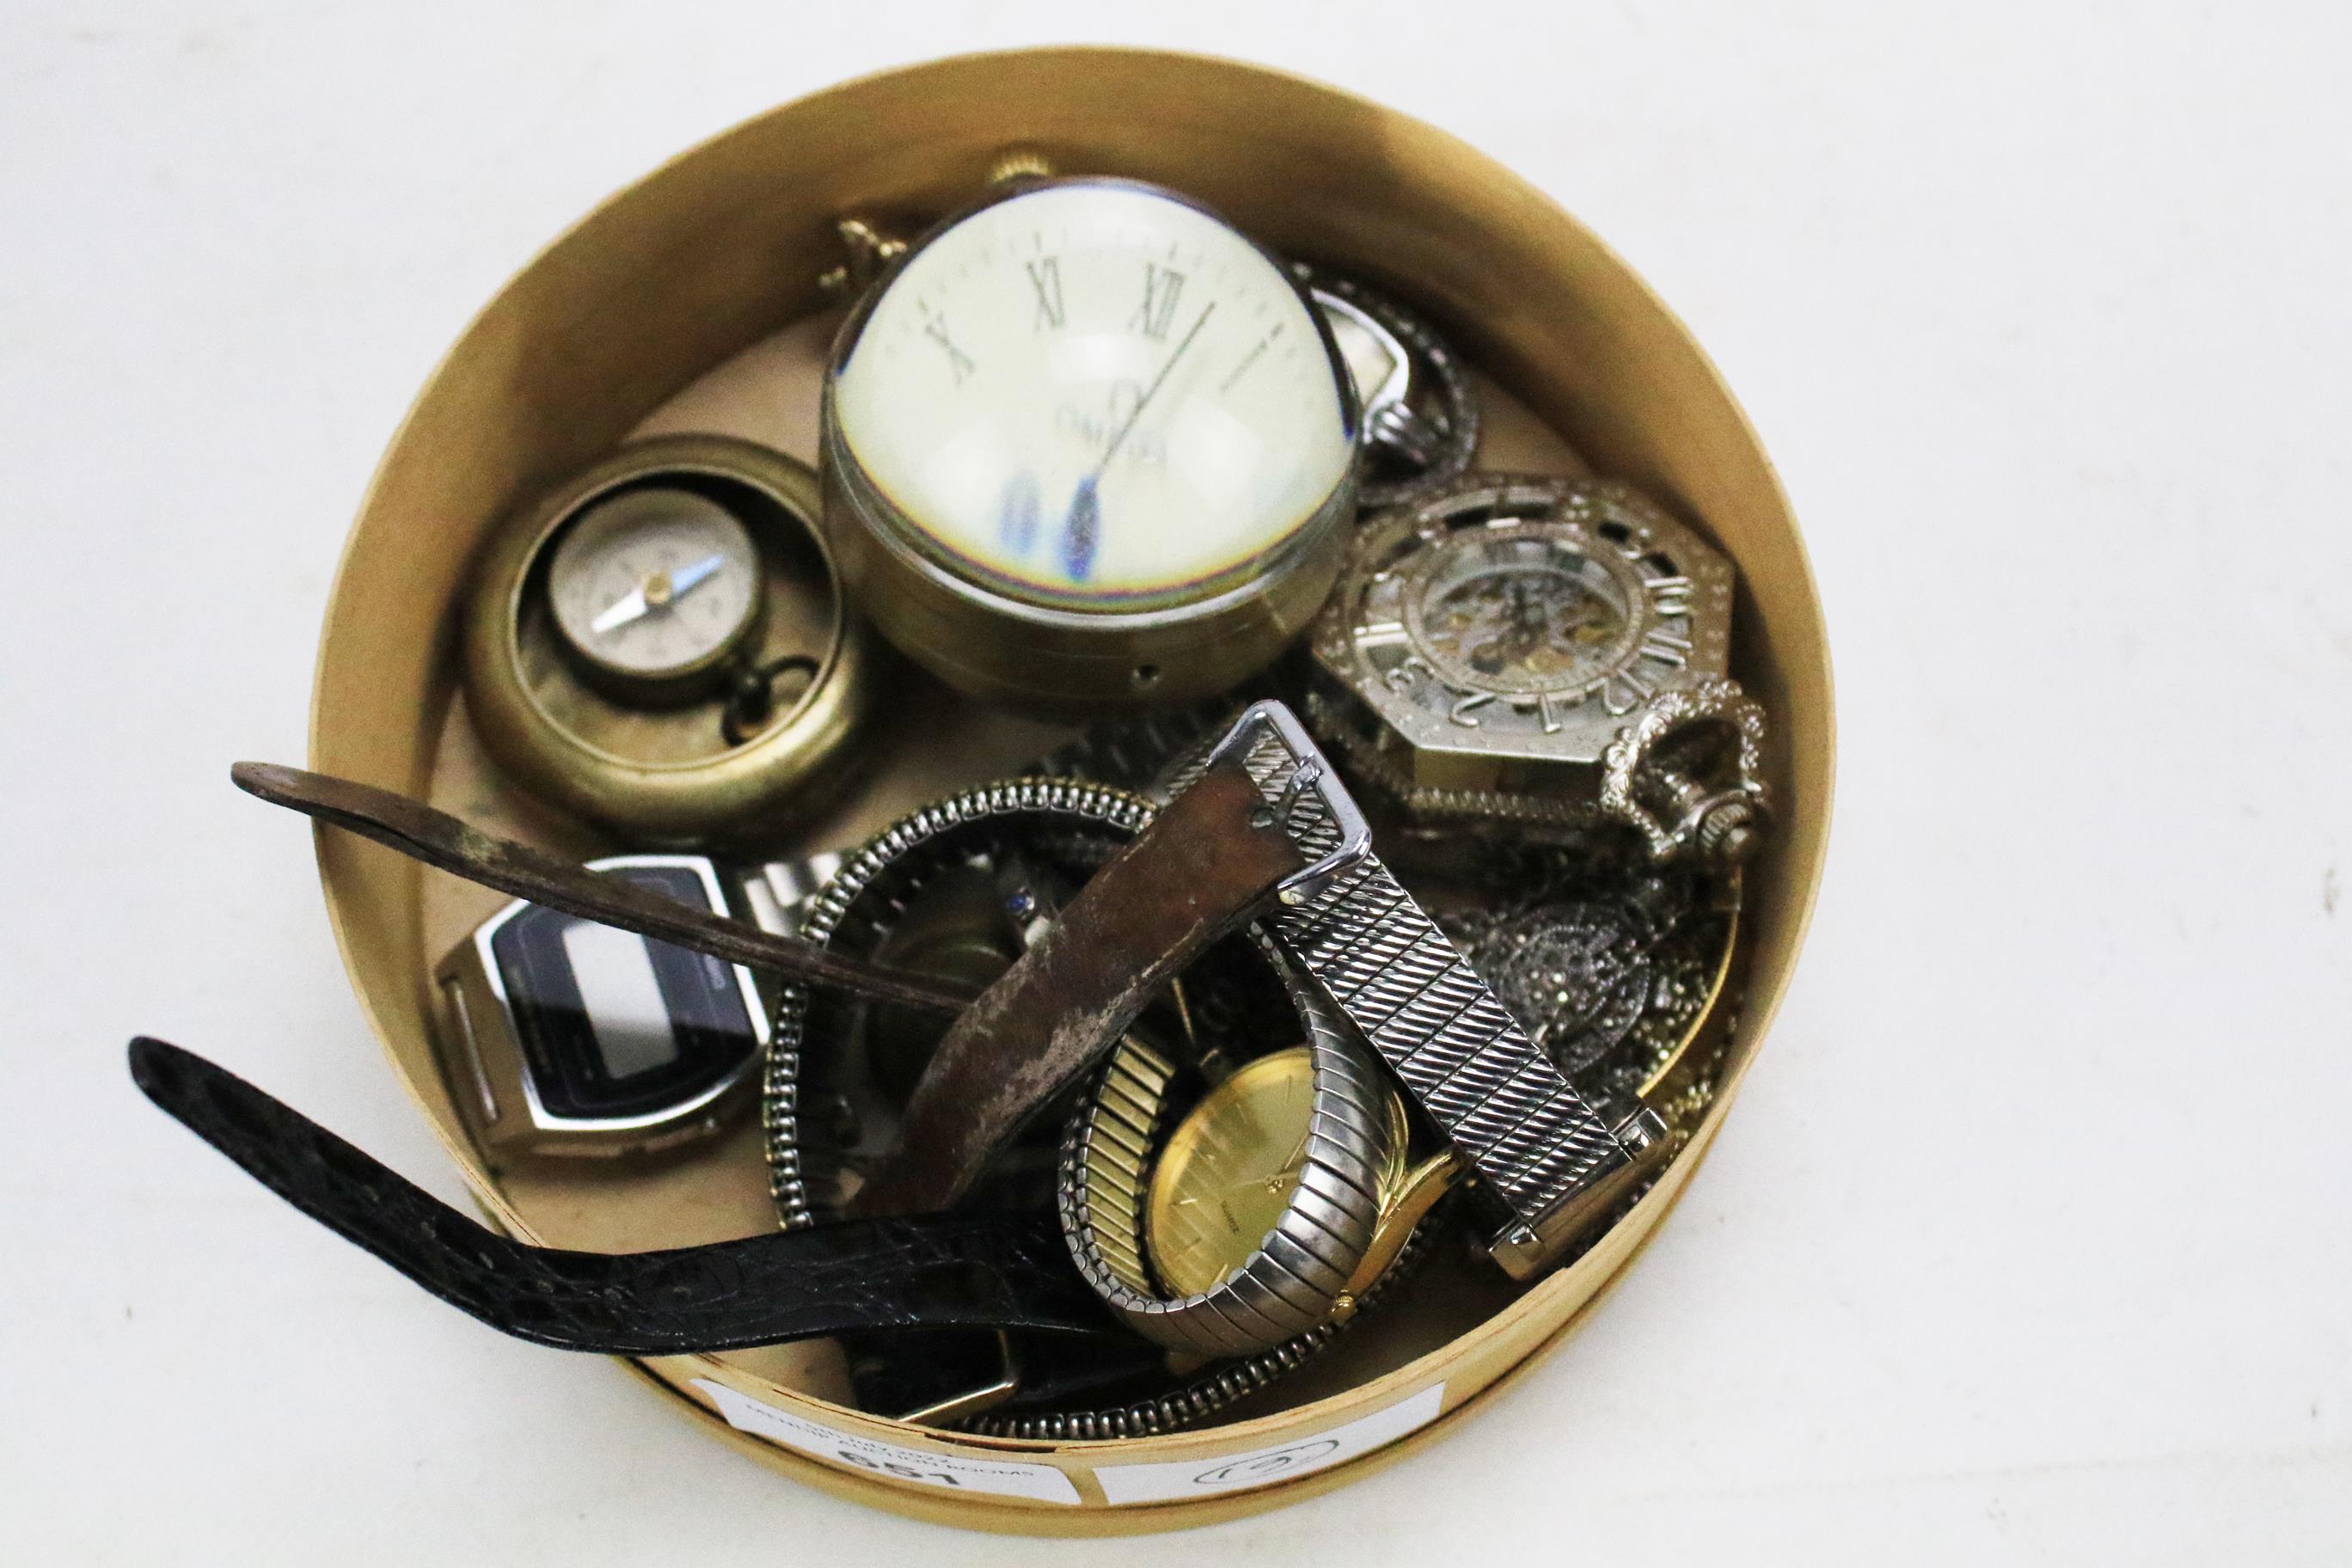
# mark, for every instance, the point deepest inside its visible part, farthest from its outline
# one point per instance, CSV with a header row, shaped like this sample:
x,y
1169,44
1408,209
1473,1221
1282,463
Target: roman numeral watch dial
x,y
1089,442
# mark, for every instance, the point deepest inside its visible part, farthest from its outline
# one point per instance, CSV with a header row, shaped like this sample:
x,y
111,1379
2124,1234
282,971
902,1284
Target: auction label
x,y
948,1472
1264,1467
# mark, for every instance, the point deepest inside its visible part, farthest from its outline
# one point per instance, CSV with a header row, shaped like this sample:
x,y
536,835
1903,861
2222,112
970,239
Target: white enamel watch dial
x,y
1095,391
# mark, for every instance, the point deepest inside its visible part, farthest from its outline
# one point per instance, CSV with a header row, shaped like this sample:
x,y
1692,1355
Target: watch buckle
x,y
977,1399
1305,774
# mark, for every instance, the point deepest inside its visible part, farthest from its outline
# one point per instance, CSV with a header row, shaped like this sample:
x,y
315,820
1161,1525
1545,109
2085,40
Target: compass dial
x,y
655,587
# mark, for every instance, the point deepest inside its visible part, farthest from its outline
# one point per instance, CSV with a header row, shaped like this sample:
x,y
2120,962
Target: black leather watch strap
x,y
976,1270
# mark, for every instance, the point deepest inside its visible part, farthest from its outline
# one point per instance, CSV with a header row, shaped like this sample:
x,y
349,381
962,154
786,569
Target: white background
x,y
2031,1239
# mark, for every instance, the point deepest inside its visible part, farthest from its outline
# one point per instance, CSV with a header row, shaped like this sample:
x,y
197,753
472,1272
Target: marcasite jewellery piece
x,y
1487,645
1421,413
1690,979
1577,971
1086,445
1613,983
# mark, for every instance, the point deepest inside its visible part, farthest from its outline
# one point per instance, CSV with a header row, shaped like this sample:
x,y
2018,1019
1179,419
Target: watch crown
x,y
1020,163
1729,833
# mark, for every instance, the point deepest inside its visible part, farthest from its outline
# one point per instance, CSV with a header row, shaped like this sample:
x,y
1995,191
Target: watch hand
x,y
1082,527
682,583
1531,616
1276,1182
1282,1179
1120,437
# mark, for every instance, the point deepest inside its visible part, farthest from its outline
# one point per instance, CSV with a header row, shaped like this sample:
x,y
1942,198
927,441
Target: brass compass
x,y
662,644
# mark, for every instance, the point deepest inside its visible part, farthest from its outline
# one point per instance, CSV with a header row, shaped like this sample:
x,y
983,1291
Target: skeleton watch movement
x,y
1490,644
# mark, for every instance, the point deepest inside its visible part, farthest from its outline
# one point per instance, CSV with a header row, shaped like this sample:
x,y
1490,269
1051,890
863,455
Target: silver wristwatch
x,y
562,1036
1553,1160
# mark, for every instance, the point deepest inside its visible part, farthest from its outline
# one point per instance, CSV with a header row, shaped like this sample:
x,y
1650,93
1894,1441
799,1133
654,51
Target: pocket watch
x,y
1489,645
1086,444
1421,414
662,644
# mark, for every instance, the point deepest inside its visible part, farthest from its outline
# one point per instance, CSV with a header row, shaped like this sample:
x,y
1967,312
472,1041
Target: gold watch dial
x,y
1230,1167
1228,1171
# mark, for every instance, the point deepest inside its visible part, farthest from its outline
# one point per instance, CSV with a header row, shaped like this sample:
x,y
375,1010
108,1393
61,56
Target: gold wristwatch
x,y
1266,1206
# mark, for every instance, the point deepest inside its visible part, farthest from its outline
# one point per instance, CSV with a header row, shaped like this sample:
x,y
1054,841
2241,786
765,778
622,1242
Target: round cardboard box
x,y
704,275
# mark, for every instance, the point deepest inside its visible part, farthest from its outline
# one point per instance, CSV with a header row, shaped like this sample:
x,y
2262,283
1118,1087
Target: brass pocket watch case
x,y
707,269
